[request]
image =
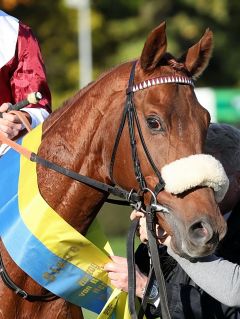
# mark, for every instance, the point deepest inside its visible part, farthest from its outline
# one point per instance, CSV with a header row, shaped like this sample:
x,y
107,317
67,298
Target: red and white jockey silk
x,y
21,65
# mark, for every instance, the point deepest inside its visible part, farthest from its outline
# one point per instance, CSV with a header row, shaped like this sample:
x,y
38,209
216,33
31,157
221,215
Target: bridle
x,y
130,115
133,198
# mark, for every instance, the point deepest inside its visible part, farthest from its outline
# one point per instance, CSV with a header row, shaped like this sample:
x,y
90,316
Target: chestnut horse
x,y
81,136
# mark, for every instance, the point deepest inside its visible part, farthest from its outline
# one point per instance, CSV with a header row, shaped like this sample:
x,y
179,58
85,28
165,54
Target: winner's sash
x,y
46,247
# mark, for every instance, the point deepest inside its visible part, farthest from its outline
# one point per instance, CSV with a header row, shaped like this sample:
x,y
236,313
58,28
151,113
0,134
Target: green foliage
x,y
115,219
119,29
186,21
117,9
54,26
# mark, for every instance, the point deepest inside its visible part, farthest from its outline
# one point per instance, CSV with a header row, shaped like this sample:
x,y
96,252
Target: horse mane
x,y
176,64
167,60
69,102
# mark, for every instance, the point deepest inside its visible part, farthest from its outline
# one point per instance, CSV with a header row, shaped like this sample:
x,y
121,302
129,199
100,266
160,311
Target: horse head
x,y
174,127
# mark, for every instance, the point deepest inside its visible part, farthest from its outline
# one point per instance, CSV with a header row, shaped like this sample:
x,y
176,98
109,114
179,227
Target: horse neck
x,y
74,138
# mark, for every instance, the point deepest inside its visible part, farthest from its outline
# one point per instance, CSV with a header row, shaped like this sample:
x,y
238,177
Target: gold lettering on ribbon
x,y
60,265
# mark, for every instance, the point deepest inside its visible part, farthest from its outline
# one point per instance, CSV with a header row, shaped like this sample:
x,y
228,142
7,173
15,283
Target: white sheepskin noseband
x,y
196,170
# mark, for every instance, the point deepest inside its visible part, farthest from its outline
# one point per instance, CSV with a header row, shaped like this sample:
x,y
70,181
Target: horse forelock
x,y
175,64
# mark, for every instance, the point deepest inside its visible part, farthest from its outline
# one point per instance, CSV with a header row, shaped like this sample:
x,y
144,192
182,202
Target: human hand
x,y
142,230
10,124
118,275
136,214
163,238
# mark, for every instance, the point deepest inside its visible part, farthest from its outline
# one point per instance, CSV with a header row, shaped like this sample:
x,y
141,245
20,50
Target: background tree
x,y
119,29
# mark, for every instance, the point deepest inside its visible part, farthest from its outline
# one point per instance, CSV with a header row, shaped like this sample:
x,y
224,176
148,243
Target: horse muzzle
x,y
193,187
198,238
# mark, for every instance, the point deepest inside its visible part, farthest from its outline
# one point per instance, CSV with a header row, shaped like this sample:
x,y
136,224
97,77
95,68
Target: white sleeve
x,y
38,115
218,277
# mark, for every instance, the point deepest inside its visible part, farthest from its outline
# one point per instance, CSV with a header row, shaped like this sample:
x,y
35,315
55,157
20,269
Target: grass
x,y
89,315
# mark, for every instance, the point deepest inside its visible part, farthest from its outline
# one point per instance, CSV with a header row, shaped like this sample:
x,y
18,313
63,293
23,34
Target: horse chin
x,y
183,246
185,249
182,254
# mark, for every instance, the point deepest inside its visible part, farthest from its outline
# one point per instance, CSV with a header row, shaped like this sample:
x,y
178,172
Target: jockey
x,y
22,72
209,287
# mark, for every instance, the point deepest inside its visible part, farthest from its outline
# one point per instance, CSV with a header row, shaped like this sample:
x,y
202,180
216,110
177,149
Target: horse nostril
x,y
200,233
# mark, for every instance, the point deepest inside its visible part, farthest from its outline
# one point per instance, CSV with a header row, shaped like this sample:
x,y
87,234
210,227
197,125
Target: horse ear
x,y
198,56
154,48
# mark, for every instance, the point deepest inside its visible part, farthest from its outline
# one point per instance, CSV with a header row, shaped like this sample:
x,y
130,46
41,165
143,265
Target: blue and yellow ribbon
x,y
46,247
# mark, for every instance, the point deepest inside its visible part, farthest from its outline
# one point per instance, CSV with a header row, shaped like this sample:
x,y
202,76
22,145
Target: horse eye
x,y
154,124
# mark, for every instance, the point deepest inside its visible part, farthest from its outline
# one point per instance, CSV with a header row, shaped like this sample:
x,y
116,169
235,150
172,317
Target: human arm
x,y
28,71
218,277
24,74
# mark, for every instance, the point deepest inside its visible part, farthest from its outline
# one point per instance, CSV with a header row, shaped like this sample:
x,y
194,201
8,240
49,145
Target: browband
x,y
161,80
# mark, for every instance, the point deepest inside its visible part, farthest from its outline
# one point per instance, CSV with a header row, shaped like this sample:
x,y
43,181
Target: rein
x,y
130,114
131,197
